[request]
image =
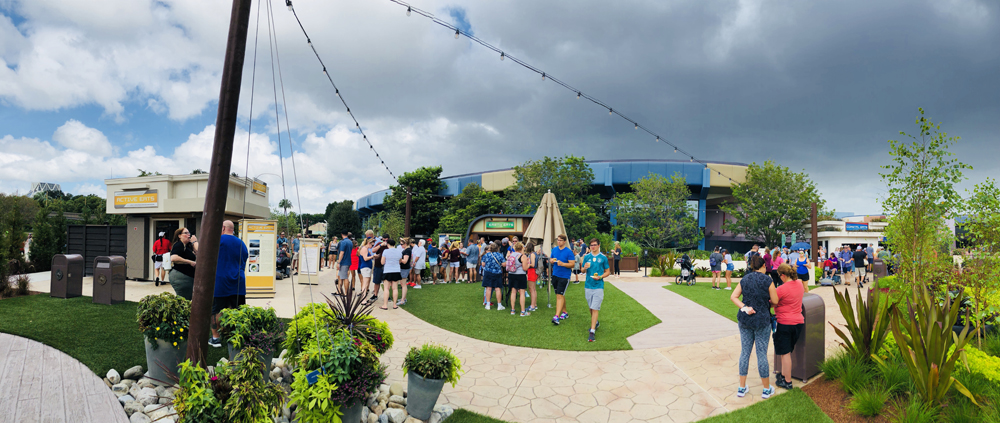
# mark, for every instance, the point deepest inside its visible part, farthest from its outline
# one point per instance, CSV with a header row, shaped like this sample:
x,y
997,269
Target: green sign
x,y
499,225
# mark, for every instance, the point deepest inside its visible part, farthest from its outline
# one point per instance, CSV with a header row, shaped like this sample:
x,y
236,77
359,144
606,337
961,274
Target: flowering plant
x,y
249,326
163,316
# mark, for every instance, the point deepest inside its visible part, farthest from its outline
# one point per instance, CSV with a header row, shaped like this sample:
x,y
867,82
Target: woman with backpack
x,y
493,276
517,277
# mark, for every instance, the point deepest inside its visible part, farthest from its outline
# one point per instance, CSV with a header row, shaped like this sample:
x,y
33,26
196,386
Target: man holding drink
x,y
595,266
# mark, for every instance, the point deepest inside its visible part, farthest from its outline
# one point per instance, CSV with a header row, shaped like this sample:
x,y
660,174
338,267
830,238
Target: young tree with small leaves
x,y
773,201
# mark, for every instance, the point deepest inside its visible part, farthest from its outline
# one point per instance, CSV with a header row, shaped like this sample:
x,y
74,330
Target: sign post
x,y
261,238
309,259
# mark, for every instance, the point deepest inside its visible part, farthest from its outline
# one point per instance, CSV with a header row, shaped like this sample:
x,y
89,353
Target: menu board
x,y
309,262
260,236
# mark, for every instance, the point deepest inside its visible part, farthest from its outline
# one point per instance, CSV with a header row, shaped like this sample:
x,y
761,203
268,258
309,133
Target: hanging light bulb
x,y
457,33
501,56
675,149
610,111
692,159
657,139
578,94
309,41
289,4
543,76
407,10
637,126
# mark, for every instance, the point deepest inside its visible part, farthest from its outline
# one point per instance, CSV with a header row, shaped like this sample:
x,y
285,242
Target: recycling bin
x,y
109,280
67,276
810,350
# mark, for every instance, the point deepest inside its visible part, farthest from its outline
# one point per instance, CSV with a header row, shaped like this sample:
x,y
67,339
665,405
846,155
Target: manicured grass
x,y
715,300
102,337
459,308
791,406
465,416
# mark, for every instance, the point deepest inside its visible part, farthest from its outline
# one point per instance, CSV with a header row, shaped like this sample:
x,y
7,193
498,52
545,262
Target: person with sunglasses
x,y
595,265
182,259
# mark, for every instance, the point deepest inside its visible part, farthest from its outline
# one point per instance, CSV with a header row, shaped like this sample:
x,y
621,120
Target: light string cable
x,y
336,90
545,75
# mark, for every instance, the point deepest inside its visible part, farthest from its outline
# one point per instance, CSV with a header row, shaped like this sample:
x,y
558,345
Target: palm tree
x,y
285,204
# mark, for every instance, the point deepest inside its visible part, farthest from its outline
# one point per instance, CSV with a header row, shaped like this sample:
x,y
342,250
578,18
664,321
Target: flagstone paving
x,y
683,369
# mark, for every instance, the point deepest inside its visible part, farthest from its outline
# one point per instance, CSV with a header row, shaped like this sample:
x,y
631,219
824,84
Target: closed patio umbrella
x,y
545,226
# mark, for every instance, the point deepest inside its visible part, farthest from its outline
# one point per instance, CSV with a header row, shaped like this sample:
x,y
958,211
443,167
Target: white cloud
x,y
77,136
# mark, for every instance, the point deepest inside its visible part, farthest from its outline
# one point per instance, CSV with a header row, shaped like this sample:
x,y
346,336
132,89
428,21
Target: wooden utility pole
x,y
406,227
218,183
815,236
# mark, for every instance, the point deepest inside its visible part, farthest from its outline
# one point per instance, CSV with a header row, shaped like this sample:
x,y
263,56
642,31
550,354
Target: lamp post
x,y
645,255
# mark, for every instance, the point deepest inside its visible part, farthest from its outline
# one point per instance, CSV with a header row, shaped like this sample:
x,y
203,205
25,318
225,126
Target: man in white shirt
x,y
419,263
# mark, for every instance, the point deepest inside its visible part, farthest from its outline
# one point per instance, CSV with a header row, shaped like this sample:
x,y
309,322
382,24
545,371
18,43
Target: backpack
x,y
511,263
712,261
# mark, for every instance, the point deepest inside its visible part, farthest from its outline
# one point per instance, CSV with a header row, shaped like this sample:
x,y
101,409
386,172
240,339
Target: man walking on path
x,y
859,265
847,262
595,265
563,261
344,262
230,279
715,261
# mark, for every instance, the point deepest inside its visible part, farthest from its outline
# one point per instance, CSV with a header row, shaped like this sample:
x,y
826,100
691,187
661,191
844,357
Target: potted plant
x,y
233,393
255,327
630,256
163,320
428,368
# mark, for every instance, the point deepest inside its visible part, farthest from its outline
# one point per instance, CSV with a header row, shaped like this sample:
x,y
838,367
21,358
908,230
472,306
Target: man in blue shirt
x,y
230,279
595,265
432,258
562,261
281,239
295,254
344,261
847,262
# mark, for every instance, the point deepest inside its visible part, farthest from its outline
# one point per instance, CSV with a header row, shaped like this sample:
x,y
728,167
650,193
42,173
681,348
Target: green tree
x,y
773,201
48,238
569,178
921,179
287,222
285,204
145,173
198,172
387,223
656,213
462,209
426,206
340,217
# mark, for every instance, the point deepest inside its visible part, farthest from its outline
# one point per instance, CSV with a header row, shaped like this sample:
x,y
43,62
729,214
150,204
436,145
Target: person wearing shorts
x,y
493,276
847,262
365,265
160,247
391,258
715,260
859,258
791,323
419,264
230,279
518,279
472,260
432,259
730,267
562,260
596,268
343,262
377,268
404,267
455,260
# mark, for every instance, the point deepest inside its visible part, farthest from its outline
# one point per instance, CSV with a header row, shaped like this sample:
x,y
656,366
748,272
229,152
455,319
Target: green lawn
x,y
465,416
102,337
791,406
459,308
715,300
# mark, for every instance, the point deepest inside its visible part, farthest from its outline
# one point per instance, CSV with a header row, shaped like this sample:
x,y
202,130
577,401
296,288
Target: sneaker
x,y
523,313
783,383
741,391
598,325
555,320
729,289
564,316
767,393
591,338
416,286
500,307
215,342
527,295
576,282
488,306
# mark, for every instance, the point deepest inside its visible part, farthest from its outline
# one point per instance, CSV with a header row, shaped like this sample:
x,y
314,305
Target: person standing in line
x,y
405,265
295,254
472,260
776,257
518,279
754,321
365,265
753,251
596,268
532,251
230,278
432,258
182,260
445,264
727,259
715,261
493,276
847,262
391,260
455,259
419,264
160,247
859,258
355,261
803,265
791,323
784,254
870,252
378,268
617,255
330,255
344,262
563,259
793,257
577,263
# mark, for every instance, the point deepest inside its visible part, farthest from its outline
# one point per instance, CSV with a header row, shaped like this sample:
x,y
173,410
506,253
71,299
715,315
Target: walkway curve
x,y
39,383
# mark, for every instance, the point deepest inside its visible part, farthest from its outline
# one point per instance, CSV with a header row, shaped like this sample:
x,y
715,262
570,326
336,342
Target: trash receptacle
x,y
109,280
67,276
879,269
810,350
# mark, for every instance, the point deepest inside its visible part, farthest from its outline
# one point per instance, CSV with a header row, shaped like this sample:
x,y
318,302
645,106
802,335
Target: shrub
x,y
869,400
856,376
631,249
163,316
237,393
895,377
833,367
21,283
379,335
433,362
303,327
249,326
991,344
915,411
867,326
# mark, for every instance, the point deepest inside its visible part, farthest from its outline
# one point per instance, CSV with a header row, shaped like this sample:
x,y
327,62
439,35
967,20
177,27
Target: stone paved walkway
x,y
683,321
39,383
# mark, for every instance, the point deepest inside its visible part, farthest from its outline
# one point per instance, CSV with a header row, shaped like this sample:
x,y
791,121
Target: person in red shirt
x,y
160,247
830,266
791,323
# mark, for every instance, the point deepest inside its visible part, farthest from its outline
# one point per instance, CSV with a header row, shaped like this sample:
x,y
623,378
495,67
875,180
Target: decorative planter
x,y
164,356
264,358
352,413
628,264
422,395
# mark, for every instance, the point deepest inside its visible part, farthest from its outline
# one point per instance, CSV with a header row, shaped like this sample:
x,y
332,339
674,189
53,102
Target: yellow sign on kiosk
x,y
261,238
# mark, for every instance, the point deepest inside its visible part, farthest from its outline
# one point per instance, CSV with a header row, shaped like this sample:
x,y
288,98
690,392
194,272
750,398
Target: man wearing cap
x,y
859,263
847,264
160,247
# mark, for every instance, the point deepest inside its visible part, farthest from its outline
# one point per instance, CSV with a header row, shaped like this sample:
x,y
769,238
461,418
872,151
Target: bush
x,y
895,377
915,411
856,376
303,327
433,362
631,249
163,316
991,344
21,283
869,400
833,367
249,326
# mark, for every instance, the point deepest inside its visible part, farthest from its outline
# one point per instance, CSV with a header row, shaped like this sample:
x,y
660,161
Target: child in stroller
x,y
687,270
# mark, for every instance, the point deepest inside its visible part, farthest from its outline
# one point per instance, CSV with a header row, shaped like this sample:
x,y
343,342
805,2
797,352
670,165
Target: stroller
x,y
687,271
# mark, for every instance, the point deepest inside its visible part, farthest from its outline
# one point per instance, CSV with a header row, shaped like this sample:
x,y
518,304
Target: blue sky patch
x,y
460,20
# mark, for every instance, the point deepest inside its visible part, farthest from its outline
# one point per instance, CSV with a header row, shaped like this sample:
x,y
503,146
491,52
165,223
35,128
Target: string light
x,y
501,56
610,111
675,149
408,11
289,4
578,94
457,33
637,126
543,76
657,139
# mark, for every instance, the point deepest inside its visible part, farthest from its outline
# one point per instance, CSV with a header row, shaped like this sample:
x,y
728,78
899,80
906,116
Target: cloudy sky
x,y
94,90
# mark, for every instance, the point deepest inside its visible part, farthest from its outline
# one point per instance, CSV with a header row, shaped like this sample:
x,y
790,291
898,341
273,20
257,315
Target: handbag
x,y
167,265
